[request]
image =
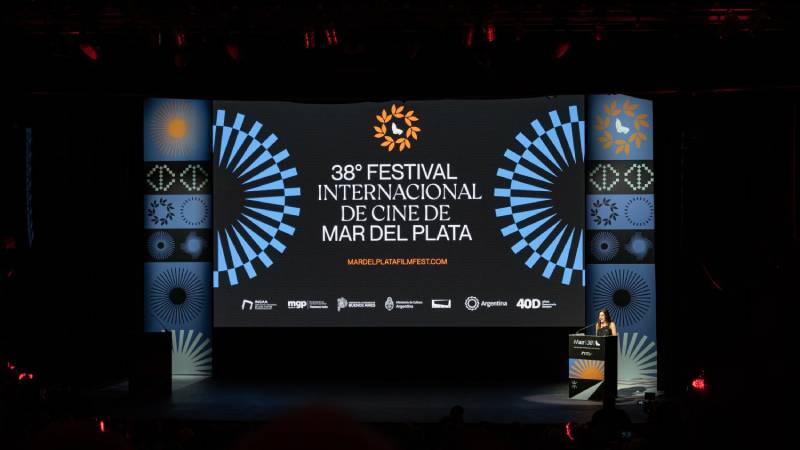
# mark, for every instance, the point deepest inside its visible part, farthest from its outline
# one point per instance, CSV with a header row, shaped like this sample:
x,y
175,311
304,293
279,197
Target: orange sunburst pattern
x,y
177,130
586,369
397,128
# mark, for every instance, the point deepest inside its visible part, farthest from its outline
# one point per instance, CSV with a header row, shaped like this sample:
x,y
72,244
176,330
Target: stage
x,y
210,399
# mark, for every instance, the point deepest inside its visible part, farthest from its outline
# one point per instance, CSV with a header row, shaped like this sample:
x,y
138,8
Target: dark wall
x,y
727,248
77,291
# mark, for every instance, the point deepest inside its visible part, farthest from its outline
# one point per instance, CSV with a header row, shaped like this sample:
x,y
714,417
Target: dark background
x,y
470,136
725,95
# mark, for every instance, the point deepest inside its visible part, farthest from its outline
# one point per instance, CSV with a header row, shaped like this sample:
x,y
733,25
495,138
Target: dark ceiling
x,y
314,49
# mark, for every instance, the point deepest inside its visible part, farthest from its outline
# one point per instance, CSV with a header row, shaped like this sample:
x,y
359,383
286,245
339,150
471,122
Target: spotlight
x,y
9,243
180,60
180,39
470,37
233,51
562,48
568,430
519,32
89,50
330,36
490,33
309,39
598,32
699,384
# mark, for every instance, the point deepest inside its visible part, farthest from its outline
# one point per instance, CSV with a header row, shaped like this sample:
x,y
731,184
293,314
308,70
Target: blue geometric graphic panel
x,y
160,245
621,246
621,128
177,211
550,244
620,212
262,172
639,246
620,177
191,352
177,130
627,291
177,296
177,222
177,177
604,246
637,363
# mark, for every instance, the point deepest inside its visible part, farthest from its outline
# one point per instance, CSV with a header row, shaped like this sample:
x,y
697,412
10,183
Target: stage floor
x,y
209,399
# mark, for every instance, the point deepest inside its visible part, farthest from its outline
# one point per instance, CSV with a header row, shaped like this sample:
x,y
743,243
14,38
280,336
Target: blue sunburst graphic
x,y
625,294
245,154
604,246
160,245
177,296
552,240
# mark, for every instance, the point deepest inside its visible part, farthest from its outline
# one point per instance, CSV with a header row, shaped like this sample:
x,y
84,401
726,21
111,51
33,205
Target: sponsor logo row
x,y
471,303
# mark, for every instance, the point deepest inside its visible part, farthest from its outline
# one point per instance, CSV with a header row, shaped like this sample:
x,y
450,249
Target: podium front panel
x,y
592,367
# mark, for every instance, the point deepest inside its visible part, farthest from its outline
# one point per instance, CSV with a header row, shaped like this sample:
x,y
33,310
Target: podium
x,y
593,368
151,366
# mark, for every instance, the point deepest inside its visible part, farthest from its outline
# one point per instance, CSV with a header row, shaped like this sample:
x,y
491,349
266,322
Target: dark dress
x,y
604,331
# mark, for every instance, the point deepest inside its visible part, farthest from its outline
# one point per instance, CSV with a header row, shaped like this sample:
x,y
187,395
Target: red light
x,y
569,432
21,376
89,51
309,39
470,36
562,49
9,243
330,36
180,60
10,366
180,39
102,426
598,35
699,384
490,33
30,376
233,51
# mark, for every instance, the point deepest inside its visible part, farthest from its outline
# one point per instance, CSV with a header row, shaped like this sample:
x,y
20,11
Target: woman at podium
x,y
604,325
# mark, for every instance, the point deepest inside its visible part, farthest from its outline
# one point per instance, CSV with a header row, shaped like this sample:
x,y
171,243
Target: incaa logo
x,y
529,303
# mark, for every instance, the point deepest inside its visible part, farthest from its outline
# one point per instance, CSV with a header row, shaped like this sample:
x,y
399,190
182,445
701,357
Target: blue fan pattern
x,y
553,242
264,182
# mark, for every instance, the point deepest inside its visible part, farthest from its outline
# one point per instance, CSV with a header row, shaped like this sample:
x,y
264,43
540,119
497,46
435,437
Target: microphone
x,y
587,326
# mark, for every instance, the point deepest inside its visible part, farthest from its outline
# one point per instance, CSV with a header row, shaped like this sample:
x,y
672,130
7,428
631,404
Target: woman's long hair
x,y
608,317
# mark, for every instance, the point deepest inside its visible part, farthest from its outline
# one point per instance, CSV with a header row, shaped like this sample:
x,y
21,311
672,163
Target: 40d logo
x,y
396,128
